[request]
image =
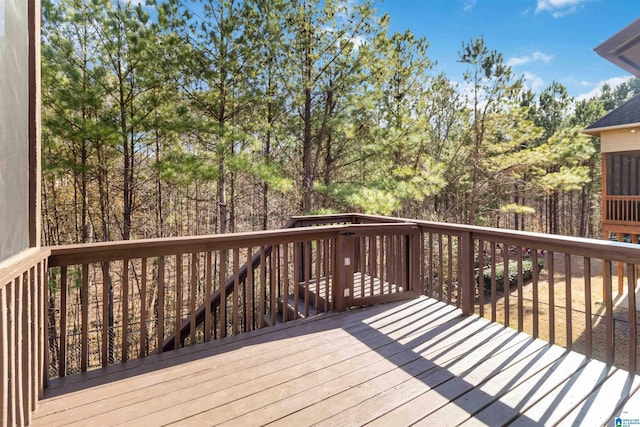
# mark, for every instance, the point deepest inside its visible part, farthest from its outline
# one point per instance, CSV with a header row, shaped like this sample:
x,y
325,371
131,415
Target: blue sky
x,y
544,40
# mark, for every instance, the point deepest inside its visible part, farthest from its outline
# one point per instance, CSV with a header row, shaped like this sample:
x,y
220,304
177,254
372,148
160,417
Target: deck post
x,y
467,277
415,260
343,259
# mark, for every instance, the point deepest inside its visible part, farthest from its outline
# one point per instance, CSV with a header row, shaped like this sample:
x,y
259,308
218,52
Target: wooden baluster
x,y
19,378
430,292
608,303
480,277
567,293
326,271
250,290
34,349
287,290
440,289
160,306
84,301
44,330
316,303
494,284
552,304
520,286
125,310
449,270
178,306
263,288
5,346
194,297
588,322
12,390
208,292
236,291
223,294
296,275
373,262
631,310
534,289
62,355
27,340
273,293
143,308
106,304
506,285
307,262
466,279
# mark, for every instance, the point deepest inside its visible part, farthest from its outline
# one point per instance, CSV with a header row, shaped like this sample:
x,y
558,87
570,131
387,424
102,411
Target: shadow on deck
x,y
417,361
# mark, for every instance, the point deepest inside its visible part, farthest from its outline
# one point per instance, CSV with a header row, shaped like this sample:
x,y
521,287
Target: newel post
x,y
467,274
343,262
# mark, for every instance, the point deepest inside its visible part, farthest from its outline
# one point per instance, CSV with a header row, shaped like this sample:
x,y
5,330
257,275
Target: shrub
x,y
527,273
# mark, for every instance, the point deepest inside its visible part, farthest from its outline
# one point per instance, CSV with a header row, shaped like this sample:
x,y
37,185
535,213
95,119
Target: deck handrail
x,y
22,335
244,265
258,276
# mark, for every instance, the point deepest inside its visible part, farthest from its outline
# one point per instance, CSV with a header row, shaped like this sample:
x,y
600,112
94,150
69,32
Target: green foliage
x,y
527,273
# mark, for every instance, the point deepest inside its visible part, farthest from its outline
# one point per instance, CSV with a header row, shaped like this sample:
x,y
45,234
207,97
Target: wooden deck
x,y
417,361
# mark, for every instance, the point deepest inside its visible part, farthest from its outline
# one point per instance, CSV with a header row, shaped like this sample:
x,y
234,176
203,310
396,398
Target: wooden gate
x,y
377,264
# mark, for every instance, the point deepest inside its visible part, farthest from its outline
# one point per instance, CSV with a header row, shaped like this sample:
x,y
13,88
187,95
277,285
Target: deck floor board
x,y
416,361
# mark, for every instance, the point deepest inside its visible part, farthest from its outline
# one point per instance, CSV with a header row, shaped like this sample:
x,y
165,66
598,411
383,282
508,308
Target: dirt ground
x,y
578,316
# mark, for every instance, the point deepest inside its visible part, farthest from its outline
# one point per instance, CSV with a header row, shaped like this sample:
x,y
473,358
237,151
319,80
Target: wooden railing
x,y
568,300
622,210
123,300
111,302
22,335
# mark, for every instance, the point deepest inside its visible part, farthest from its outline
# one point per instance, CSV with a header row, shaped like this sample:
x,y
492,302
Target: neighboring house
x,y
619,133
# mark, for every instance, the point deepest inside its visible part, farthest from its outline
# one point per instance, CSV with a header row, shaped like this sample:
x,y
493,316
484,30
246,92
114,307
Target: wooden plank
x,y
491,390
260,366
520,285
178,303
257,409
629,410
598,408
422,378
527,393
564,398
480,277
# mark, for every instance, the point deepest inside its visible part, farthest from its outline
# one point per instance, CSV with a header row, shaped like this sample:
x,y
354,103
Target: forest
x,y
187,117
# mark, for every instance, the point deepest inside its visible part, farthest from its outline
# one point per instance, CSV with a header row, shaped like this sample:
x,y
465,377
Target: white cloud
x,y
597,90
535,56
533,82
469,4
558,8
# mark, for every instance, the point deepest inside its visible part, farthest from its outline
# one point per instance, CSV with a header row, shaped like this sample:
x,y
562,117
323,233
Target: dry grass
x,y
578,319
